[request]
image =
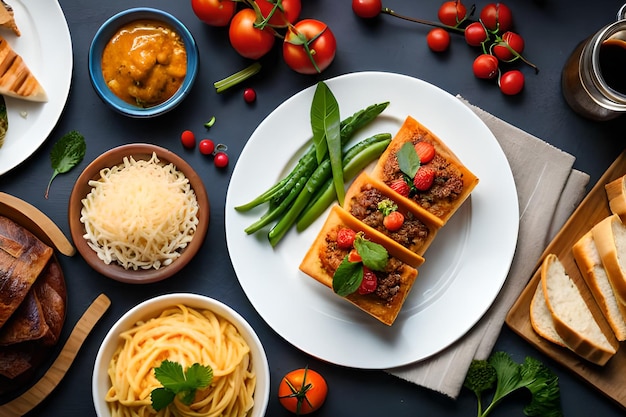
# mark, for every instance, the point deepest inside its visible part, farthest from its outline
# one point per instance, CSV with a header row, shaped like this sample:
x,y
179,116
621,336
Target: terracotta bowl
x,y
115,157
152,308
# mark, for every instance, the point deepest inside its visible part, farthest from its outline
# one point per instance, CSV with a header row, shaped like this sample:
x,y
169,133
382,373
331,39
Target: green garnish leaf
x,y
347,277
326,127
176,382
66,153
408,159
373,255
387,206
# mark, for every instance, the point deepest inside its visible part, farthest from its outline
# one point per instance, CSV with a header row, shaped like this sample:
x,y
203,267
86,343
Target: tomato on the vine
x,y
497,16
214,12
247,40
512,82
513,40
485,66
451,13
475,34
309,46
302,391
367,8
287,11
438,39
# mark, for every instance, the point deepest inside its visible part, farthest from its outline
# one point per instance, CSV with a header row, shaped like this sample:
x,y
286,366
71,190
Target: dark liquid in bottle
x,y
613,64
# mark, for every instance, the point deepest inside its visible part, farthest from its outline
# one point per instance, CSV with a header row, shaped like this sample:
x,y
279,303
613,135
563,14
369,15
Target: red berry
x,y
369,282
249,95
393,221
206,146
426,151
345,238
188,139
424,178
220,160
401,187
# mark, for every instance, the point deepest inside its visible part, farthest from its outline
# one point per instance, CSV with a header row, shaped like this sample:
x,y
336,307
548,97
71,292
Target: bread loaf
x,y
590,265
609,236
616,194
573,320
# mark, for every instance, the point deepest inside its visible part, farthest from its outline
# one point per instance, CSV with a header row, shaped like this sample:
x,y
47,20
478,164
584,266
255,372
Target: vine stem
x,y
390,12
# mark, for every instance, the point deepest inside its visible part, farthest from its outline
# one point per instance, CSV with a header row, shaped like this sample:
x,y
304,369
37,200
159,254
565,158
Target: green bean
x,y
326,195
282,188
361,151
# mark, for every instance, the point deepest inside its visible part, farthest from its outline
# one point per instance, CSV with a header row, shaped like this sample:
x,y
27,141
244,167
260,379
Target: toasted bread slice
x,y
573,320
590,265
324,257
7,18
16,79
616,194
362,201
609,236
453,181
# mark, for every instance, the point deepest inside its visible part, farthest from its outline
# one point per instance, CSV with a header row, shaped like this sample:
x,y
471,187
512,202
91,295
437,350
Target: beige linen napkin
x,y
548,191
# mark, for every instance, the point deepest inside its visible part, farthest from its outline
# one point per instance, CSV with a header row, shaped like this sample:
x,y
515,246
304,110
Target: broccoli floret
x,y
481,376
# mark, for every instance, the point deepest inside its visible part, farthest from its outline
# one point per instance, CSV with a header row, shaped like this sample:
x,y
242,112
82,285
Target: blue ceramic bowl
x,y
102,37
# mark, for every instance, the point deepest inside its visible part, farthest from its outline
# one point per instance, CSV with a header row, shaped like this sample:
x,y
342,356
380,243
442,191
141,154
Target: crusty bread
x,y
616,194
7,18
590,265
541,318
609,236
16,79
573,320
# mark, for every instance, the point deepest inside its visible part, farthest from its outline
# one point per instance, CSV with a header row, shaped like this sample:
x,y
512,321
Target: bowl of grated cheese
x,y
138,213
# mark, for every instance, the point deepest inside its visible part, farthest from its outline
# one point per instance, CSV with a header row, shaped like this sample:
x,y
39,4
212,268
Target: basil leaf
x,y
408,159
66,153
374,256
348,277
325,123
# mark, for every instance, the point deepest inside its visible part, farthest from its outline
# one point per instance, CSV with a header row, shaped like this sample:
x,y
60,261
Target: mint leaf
x,y
347,277
374,256
408,159
161,398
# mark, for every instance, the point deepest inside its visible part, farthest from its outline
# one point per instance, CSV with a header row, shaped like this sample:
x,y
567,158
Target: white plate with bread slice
x,y
465,266
45,47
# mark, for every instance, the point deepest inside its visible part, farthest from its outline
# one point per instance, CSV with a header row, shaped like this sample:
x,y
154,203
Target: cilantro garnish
x,y
176,382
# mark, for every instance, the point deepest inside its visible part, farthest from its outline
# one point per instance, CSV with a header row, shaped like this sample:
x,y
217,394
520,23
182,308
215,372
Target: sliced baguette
x,y
541,318
590,265
573,320
16,79
609,236
616,193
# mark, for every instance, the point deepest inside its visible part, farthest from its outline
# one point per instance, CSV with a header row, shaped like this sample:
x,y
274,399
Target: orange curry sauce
x,y
144,63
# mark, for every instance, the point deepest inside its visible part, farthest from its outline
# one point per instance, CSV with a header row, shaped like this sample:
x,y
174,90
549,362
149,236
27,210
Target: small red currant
x,y
188,139
249,95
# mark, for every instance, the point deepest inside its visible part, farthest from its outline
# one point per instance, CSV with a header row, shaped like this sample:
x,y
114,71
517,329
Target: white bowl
x,y
152,308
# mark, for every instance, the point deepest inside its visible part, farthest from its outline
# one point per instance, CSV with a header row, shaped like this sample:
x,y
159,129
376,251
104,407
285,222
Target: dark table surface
x,y
551,29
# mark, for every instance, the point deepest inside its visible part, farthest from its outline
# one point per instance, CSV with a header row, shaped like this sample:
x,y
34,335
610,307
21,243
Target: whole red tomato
x,y
451,13
514,41
512,82
475,34
247,40
497,17
309,46
485,66
438,39
214,12
302,391
367,8
286,11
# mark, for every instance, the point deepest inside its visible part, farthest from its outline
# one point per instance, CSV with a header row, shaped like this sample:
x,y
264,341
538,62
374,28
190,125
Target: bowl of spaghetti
x,y
186,329
138,213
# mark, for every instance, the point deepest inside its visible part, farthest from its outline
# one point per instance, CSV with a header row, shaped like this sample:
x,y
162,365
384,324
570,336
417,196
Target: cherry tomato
x,y
220,159
485,66
512,82
247,40
322,45
367,9
475,34
345,238
286,12
206,146
497,17
514,41
438,40
369,281
188,139
214,12
302,391
249,95
451,13
393,221
353,256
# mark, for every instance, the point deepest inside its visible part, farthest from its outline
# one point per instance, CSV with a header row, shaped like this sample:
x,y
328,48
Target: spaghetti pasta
x,y
187,336
140,214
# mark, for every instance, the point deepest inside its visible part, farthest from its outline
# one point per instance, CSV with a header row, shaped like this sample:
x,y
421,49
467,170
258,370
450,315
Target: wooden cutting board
x,y
610,379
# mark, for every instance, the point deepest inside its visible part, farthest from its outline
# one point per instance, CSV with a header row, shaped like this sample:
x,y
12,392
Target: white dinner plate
x,y
465,266
46,47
